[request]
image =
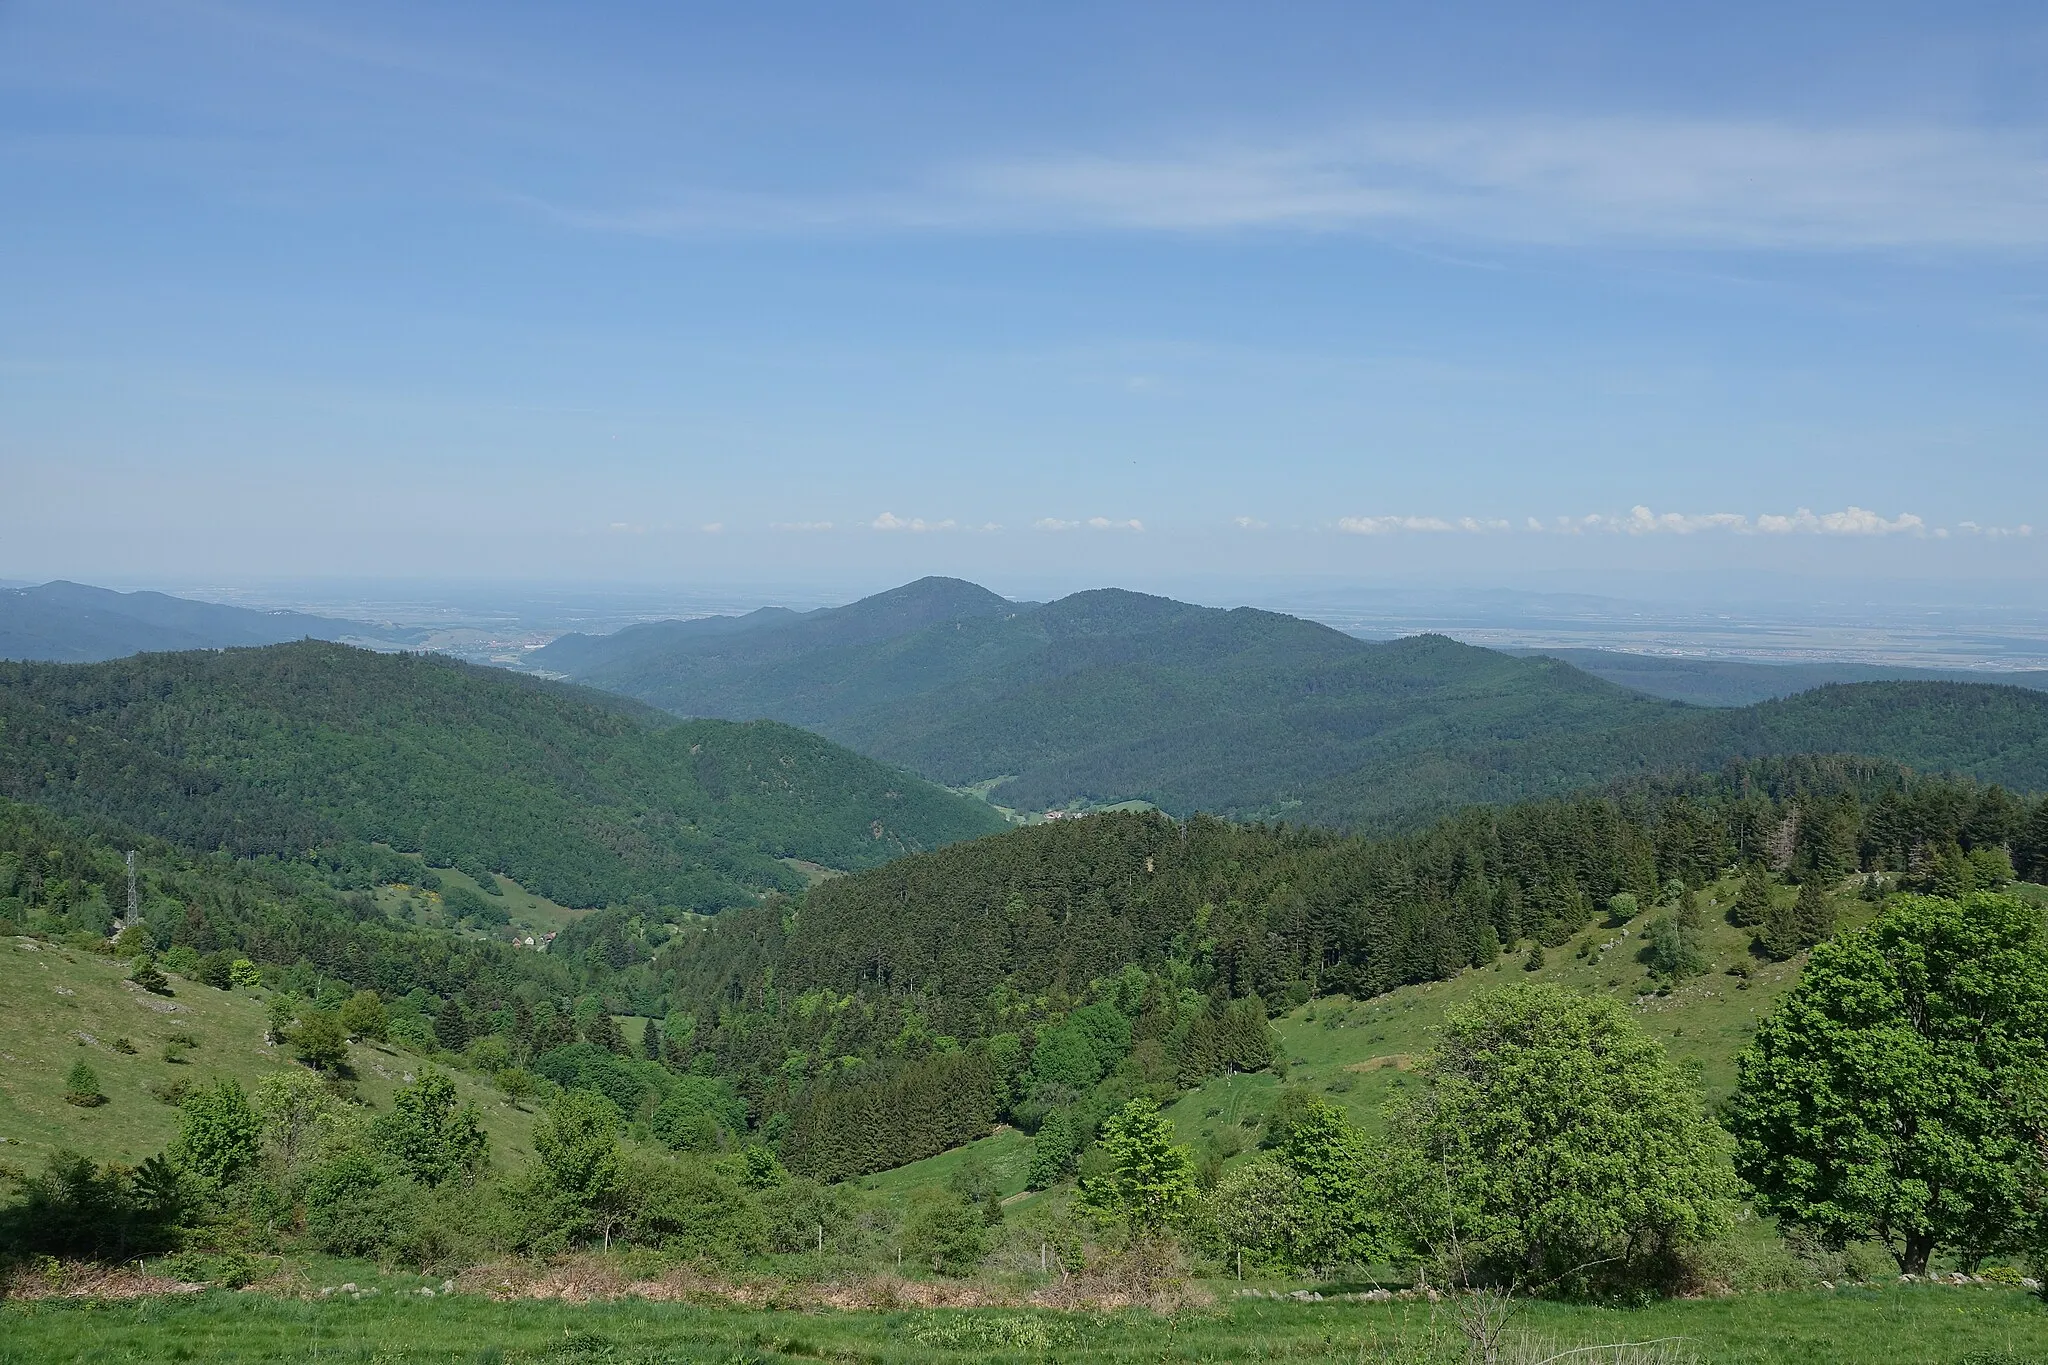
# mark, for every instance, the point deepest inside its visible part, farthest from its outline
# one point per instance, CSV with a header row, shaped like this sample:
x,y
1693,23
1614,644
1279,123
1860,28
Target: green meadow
x,y
66,1005
1918,1325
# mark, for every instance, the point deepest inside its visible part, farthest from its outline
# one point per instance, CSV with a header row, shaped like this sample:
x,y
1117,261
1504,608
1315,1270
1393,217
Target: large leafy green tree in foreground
x,y
1552,1146
1900,1092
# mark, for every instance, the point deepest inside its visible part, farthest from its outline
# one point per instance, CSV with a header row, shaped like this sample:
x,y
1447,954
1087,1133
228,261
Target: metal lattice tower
x,y
133,903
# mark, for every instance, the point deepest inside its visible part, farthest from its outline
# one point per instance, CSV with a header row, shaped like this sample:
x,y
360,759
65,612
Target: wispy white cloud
x,y
1092,523
1738,184
1971,528
889,521
712,528
1850,521
1387,525
1248,523
1641,521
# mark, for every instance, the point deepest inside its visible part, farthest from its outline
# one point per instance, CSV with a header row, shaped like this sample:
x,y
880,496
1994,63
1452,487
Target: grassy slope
x,y
54,995
1894,1326
1358,1052
527,912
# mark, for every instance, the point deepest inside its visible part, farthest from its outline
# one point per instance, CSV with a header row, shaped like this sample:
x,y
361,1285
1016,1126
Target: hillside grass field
x,y
527,912
1358,1052
65,1005
1895,1325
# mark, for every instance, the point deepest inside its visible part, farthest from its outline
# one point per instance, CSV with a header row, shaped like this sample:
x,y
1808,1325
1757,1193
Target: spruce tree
x,y
650,1041
1198,1050
1814,914
82,1087
1691,917
1779,933
451,1026
1244,1043
2030,848
603,1031
1753,901
1949,876
147,976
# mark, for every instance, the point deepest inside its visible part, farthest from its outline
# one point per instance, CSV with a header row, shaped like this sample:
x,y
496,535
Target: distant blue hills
x,y
74,623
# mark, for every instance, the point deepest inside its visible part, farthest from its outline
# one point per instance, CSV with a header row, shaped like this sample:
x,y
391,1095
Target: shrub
x,y
320,1041
694,1209
148,977
363,1017
414,1034
75,1208
134,941
82,1087
219,1132
799,1212
944,1232
359,1206
698,1113
517,1084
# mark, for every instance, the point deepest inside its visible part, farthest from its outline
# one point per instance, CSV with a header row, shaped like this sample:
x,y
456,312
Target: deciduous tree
x,y
429,1135
220,1134
1149,1179
1551,1144
1900,1092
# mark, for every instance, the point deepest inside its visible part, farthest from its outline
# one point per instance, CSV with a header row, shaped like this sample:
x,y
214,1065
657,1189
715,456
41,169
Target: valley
x,y
793,1015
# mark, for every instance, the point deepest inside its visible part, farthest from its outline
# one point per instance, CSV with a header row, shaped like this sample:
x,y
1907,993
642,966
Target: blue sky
x,y
681,291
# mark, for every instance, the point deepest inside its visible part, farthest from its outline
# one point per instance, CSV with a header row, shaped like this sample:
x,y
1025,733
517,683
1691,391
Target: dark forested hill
x,y
1730,682
1109,696
717,666
586,798
577,653
74,623
996,945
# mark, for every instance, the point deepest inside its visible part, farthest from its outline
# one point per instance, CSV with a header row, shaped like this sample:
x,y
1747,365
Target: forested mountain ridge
x,y
680,665
825,1007
1111,695
584,797
75,623
575,653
